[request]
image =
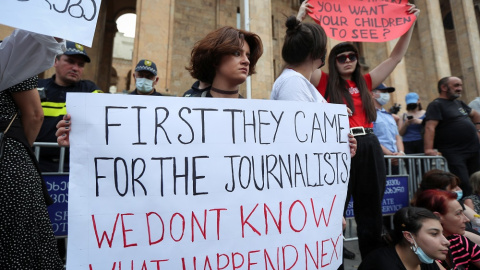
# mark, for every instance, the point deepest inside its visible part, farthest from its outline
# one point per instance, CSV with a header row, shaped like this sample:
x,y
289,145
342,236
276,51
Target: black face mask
x,y
412,106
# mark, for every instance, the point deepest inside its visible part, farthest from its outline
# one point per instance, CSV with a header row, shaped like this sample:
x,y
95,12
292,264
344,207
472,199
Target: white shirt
x,y
24,54
291,85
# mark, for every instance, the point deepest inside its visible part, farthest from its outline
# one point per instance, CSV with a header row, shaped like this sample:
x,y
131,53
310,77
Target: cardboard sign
x,y
362,21
71,20
205,183
394,198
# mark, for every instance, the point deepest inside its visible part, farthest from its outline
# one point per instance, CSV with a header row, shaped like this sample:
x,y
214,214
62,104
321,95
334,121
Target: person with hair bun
x,y
224,59
463,253
416,241
345,84
303,51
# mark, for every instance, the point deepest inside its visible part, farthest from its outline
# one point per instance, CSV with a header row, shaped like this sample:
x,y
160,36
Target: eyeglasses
x,y
343,58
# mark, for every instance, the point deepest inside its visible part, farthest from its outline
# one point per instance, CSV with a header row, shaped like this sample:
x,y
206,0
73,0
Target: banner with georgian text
x,y
71,20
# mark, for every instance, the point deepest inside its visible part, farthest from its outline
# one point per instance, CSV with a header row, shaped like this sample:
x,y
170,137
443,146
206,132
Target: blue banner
x,y
395,197
57,186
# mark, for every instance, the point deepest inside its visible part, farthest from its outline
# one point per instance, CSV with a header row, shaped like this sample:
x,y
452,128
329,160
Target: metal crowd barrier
x,y
57,186
402,183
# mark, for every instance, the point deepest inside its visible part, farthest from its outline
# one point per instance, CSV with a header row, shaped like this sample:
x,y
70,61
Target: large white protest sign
x,y
202,183
71,20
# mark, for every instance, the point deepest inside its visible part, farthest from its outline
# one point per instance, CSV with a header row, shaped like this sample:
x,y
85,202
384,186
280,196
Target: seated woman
x,y
415,242
473,201
462,252
438,179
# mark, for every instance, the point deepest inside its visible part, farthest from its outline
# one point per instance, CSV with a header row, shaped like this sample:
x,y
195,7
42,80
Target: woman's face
x,y
234,68
454,220
346,66
431,239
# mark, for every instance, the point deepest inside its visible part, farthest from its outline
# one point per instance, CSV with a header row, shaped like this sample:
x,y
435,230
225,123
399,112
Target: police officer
x,y
145,78
53,91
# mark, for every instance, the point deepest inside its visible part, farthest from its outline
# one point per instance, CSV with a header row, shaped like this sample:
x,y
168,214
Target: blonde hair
x,y
475,182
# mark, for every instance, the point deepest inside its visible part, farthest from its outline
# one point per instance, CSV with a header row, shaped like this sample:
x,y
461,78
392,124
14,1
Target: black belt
x,y
360,131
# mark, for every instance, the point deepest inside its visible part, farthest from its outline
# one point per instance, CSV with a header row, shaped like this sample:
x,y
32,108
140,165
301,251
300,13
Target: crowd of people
x,y
434,233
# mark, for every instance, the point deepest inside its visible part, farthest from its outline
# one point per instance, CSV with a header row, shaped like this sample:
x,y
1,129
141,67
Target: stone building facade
x,y
445,42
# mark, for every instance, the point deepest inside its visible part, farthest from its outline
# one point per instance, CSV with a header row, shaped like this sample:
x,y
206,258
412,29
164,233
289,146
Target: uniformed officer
x,y
53,91
145,78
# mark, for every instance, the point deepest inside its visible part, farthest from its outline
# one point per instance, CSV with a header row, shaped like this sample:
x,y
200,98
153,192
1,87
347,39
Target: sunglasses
x,y
343,58
323,60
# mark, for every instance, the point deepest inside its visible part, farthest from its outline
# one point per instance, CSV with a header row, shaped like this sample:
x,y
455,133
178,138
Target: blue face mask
x,y
459,194
422,256
144,85
383,98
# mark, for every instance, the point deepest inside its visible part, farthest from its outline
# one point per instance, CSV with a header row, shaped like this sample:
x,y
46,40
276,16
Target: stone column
x,y
153,37
433,46
261,24
106,54
466,31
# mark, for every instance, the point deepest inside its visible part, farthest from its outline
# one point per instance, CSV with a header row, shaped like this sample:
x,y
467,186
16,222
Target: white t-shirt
x,y
291,85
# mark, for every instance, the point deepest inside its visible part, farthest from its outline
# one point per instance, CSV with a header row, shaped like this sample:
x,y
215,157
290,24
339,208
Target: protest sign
x,y
205,183
71,20
394,198
362,21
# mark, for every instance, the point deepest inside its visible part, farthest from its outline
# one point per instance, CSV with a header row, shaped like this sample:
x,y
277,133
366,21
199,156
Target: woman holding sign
x,y
346,85
303,51
224,59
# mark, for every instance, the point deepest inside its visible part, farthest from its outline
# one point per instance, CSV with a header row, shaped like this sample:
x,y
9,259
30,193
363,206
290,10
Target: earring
x,y
413,247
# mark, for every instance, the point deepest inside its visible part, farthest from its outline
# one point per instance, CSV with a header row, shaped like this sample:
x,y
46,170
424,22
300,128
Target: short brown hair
x,y
208,52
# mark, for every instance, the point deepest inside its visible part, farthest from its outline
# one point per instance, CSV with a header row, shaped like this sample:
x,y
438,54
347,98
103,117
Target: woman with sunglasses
x,y
346,85
463,253
415,242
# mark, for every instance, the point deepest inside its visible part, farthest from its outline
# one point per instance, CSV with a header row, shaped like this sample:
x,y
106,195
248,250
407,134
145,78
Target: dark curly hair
x,y
208,52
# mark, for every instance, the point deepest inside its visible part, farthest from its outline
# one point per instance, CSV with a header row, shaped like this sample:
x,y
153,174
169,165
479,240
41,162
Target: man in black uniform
x,y
67,78
452,127
145,78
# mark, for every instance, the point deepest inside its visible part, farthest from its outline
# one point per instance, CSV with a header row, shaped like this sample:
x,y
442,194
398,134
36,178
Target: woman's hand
x,y
413,9
353,144
303,10
63,131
